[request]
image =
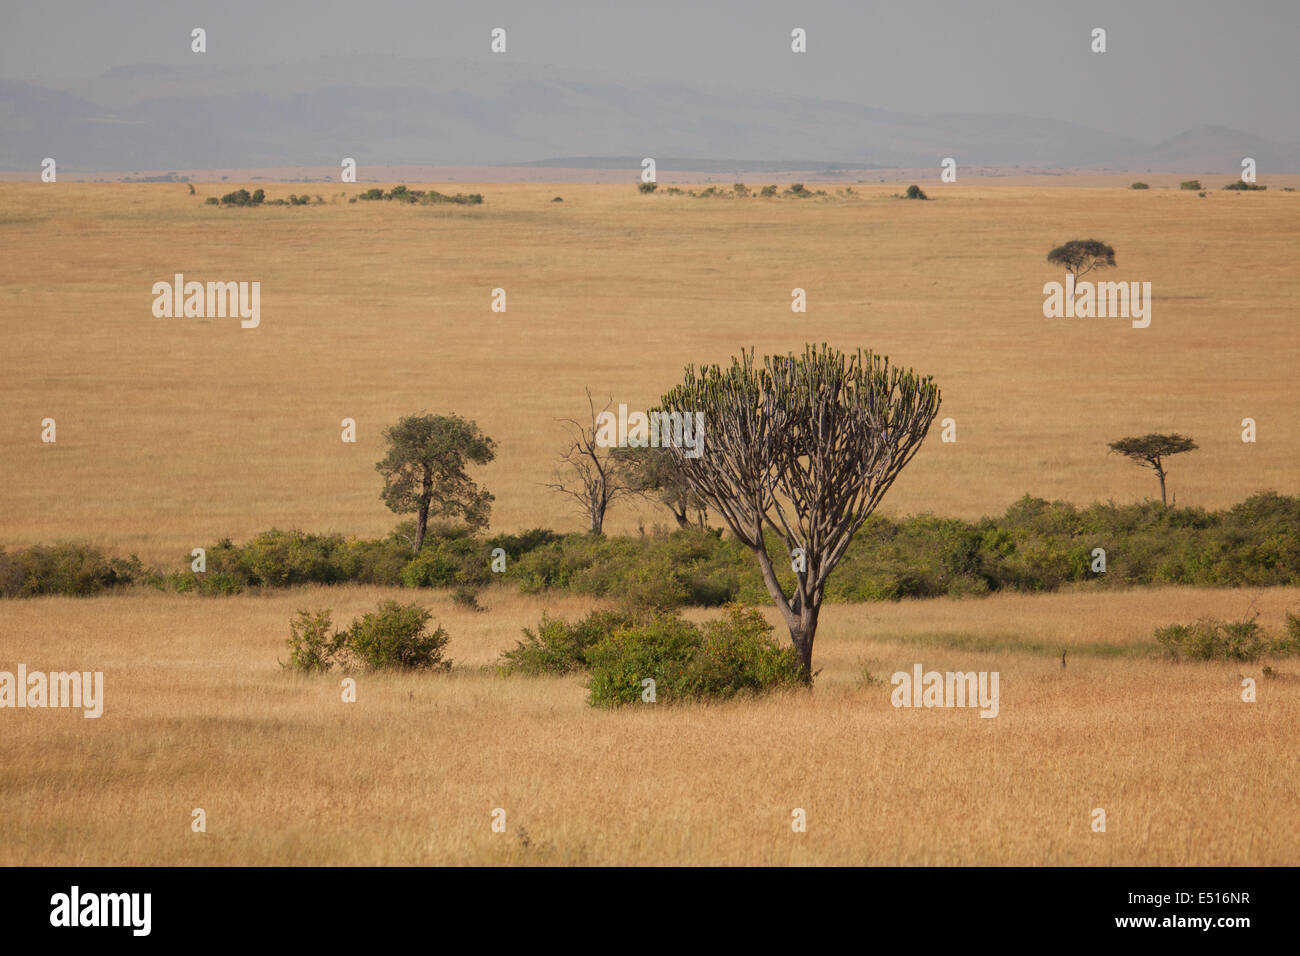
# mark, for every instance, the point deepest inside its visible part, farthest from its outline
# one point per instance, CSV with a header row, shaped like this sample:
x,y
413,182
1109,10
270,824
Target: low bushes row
x,y
659,656
425,197
651,656
71,569
395,636
1035,546
1211,639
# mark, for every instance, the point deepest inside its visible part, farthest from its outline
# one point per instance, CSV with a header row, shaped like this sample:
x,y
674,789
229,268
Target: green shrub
x,y
313,645
284,558
767,192
394,636
1243,186
647,187
70,569
727,657
1139,186
433,197
517,545
660,648
738,655
431,568
914,192
212,201
448,561
1210,639
242,197
1190,184
560,648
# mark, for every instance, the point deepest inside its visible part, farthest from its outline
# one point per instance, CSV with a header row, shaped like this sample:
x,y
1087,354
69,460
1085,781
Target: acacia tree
x,y
804,447
1081,256
599,478
424,470
652,474
1150,451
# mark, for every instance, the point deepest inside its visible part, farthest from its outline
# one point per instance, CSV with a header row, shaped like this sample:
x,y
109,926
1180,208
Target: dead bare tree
x,y
805,448
598,477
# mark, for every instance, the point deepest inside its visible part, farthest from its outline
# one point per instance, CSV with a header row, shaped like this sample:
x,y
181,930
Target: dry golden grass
x,y
176,432
198,714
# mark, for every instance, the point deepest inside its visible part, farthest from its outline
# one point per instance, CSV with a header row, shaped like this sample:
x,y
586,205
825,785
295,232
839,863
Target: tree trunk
x,y
421,523
802,625
802,635
1162,487
803,645
422,519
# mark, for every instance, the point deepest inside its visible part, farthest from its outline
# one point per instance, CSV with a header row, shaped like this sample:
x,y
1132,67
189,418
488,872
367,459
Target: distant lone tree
x,y
1081,256
1150,451
803,448
598,478
424,470
915,192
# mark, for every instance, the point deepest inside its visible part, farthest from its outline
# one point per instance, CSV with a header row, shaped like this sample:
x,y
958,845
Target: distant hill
x,y
1217,149
398,112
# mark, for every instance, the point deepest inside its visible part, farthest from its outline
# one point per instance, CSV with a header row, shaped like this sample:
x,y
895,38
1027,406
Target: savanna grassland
x,y
199,714
175,433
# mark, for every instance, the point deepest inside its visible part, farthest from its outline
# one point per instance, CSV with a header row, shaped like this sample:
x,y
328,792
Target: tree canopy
x,y
1151,451
804,447
1081,256
424,470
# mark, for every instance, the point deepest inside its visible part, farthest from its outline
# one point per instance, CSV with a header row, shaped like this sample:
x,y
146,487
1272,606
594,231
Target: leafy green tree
x,y
804,448
1150,451
424,470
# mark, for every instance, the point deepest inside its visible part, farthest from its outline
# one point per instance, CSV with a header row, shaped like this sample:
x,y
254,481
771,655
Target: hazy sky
x,y
1169,65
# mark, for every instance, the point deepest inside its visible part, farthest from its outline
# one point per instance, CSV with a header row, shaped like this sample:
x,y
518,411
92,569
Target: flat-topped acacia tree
x,y
1151,451
1081,256
804,447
